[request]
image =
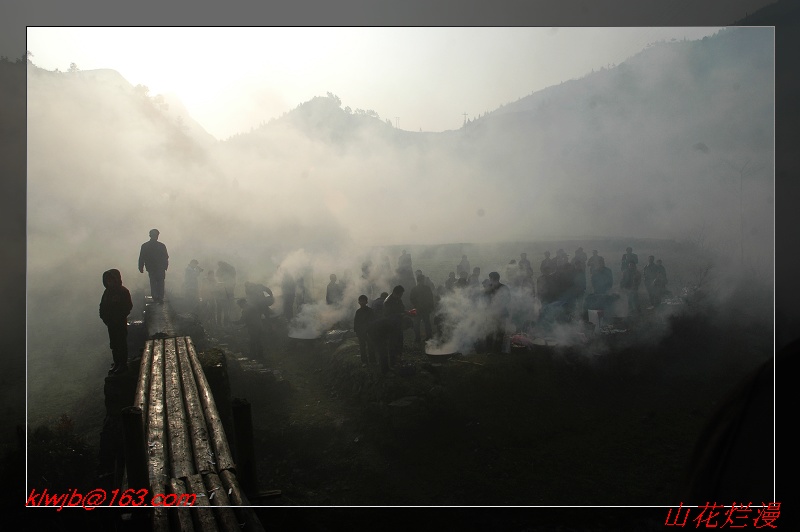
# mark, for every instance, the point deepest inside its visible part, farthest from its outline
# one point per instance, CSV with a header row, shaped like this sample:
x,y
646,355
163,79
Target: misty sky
x,y
102,171
233,79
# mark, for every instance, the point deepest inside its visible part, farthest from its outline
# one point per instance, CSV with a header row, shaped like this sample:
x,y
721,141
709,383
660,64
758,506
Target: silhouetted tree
x,y
73,67
160,102
142,90
335,98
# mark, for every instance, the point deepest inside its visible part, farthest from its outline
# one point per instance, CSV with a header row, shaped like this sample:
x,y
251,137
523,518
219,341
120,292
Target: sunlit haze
x,y
233,79
588,137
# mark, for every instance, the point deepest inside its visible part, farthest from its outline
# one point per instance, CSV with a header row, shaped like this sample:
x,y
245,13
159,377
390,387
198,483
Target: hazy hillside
x,y
648,146
676,143
677,138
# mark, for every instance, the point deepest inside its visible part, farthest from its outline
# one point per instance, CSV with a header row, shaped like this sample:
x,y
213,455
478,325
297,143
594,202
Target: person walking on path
x,y
153,256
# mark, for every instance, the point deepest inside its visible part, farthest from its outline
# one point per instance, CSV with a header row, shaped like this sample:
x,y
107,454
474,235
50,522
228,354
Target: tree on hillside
x,y
73,67
142,90
335,99
26,58
161,102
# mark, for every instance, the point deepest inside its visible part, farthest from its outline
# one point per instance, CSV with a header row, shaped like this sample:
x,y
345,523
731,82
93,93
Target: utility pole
x,y
396,121
465,120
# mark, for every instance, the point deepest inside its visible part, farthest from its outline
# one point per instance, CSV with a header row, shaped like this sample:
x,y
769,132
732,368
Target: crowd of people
x,y
564,287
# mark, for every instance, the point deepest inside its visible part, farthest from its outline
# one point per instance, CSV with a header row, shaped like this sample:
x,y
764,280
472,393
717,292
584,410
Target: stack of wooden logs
x,y
184,447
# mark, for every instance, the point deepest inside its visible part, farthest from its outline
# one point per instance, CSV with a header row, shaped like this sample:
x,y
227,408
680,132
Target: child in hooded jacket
x,y
115,306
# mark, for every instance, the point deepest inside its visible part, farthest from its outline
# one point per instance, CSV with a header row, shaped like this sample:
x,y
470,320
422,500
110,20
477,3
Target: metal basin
x,y
437,355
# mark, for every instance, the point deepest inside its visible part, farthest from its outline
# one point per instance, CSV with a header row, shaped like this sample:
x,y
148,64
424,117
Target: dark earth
x,y
610,421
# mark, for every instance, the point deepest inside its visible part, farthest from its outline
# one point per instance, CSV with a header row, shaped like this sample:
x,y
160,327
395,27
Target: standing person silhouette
x,y
154,257
115,306
191,282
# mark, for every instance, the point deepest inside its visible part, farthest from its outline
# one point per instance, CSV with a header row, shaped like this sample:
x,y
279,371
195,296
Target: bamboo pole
x,y
214,422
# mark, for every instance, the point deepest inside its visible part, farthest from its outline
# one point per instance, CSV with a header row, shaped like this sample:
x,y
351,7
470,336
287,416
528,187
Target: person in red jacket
x,y
115,306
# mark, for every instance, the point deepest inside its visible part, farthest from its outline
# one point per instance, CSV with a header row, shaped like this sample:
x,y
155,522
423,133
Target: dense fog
x,y
676,143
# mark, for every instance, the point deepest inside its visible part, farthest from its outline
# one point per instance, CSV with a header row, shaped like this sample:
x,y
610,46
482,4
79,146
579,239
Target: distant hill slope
x,y
674,142
784,13
113,93
646,147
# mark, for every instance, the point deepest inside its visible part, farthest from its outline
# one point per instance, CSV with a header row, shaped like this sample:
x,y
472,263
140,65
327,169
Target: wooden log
x,y
182,517
219,441
226,518
156,427
248,519
160,519
204,515
245,448
204,459
215,368
180,448
135,448
158,320
143,385
160,514
217,494
232,488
